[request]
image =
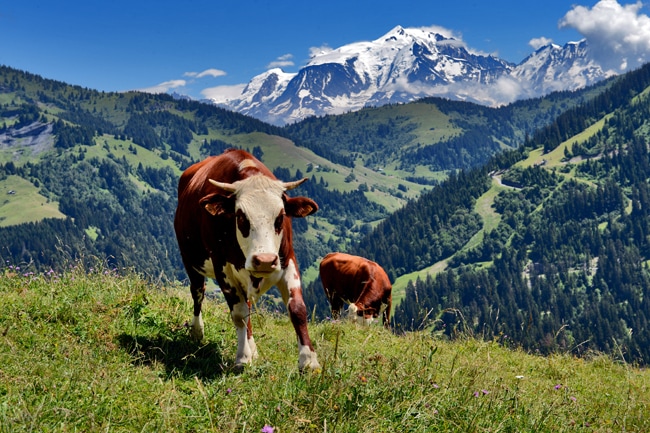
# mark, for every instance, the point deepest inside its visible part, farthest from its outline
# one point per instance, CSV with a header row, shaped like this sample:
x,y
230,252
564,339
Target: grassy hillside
x,y
101,350
21,203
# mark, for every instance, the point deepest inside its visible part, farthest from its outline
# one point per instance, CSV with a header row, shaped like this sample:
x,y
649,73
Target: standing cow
x,y
233,224
359,282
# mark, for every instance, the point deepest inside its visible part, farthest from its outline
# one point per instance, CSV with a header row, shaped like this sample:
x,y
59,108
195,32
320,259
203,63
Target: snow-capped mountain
x,y
552,68
405,65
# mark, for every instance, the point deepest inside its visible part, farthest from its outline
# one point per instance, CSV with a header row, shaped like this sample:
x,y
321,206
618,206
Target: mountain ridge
x,y
407,64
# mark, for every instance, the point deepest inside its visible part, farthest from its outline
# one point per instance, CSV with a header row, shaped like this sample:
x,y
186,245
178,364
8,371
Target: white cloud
x,y
442,31
222,94
207,73
540,42
164,87
319,51
618,35
281,62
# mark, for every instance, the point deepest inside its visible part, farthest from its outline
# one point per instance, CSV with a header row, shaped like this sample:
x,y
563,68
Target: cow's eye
x,y
278,223
243,224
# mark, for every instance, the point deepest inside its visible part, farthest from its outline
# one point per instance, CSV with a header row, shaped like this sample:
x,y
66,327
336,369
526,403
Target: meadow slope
x,y
95,349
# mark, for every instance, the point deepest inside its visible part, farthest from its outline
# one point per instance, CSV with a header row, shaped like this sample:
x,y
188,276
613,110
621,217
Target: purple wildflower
x,y
267,429
558,386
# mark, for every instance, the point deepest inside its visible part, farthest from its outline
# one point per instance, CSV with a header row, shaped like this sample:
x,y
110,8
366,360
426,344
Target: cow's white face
x,y
260,208
259,214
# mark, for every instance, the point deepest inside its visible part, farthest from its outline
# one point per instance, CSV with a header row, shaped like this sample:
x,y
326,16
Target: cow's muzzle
x,y
265,262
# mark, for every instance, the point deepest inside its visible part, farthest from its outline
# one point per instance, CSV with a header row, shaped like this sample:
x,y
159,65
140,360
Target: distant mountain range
x,y
409,64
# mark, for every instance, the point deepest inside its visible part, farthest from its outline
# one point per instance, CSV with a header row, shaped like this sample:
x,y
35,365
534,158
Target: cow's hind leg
x,y
386,313
197,288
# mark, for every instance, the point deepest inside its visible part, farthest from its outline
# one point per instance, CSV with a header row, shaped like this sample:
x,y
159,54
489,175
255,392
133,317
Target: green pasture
x,y
21,203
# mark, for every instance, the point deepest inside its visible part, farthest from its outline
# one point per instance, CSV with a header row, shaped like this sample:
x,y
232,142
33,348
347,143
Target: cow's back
x,y
343,274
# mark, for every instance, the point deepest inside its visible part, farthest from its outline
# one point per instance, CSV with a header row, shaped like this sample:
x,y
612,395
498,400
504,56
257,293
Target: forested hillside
x,y
433,134
565,266
87,173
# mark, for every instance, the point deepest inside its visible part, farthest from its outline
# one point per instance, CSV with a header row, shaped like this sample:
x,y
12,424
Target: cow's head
x,y
259,205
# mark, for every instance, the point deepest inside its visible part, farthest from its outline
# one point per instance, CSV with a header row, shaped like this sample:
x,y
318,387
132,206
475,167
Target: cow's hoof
x,y
196,334
239,368
196,330
308,360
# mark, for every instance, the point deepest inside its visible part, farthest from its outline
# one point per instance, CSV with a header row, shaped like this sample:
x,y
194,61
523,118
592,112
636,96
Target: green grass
x,y
100,351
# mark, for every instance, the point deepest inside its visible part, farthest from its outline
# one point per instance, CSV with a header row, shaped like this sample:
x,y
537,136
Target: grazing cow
x,y
359,282
233,224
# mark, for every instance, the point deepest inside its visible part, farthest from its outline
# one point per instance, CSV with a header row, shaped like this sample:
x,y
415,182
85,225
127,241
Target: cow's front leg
x,y
292,296
336,304
246,347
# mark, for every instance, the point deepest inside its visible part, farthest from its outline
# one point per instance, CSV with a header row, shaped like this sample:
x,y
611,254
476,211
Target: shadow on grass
x,y
180,355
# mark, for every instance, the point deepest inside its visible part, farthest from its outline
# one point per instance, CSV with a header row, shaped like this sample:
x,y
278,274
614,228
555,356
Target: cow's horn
x,y
229,187
294,184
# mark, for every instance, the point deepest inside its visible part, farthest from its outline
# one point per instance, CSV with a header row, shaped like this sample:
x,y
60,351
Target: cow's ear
x,y
217,204
299,206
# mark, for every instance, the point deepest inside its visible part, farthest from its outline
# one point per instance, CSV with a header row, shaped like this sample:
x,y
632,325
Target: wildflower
x,y
363,379
558,386
573,399
436,386
228,391
268,429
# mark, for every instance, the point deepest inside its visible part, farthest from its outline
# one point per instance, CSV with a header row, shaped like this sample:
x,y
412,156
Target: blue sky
x,y
197,45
